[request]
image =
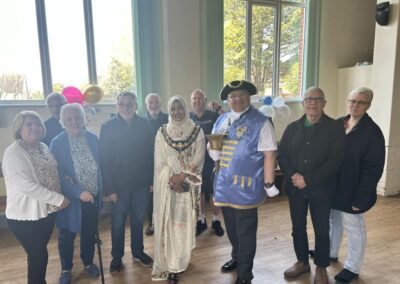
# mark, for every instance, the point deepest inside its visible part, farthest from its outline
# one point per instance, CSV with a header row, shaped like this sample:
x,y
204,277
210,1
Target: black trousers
x,y
319,210
150,209
34,237
241,227
66,238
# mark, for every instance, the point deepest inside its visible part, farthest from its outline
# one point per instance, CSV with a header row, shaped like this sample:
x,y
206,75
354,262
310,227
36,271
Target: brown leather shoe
x,y
297,269
321,276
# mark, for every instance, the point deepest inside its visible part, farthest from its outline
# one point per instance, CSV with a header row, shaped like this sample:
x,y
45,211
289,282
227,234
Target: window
x,y
264,43
20,74
67,44
113,36
51,37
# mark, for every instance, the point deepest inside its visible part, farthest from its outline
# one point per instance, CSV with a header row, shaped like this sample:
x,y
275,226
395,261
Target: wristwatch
x,y
268,184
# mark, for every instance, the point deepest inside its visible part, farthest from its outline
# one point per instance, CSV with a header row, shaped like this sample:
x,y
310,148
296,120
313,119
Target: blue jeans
x,y
134,203
357,238
88,230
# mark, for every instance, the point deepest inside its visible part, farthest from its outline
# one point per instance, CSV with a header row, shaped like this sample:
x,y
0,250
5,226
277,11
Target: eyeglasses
x,y
122,105
317,100
360,103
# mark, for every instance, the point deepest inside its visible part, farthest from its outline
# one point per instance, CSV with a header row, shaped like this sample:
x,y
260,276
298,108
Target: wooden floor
x,y
274,252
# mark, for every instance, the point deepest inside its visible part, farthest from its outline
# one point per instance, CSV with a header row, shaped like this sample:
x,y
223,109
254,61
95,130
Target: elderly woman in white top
x,y
77,153
33,191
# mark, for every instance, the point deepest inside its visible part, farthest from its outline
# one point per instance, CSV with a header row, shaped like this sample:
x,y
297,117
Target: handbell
x,y
215,140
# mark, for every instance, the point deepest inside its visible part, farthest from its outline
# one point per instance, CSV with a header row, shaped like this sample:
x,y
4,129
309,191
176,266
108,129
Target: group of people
x,y
161,165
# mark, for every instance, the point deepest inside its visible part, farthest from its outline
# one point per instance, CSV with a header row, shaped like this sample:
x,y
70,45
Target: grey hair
x,y
363,90
315,89
68,107
201,92
127,94
20,119
149,95
56,96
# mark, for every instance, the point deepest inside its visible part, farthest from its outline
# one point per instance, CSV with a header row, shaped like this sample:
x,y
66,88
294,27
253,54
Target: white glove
x,y
272,191
214,154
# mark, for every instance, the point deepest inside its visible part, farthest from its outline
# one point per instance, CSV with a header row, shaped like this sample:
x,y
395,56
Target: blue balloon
x,y
267,100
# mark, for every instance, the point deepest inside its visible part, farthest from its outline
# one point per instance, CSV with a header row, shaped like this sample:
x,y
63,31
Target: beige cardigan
x,y
27,199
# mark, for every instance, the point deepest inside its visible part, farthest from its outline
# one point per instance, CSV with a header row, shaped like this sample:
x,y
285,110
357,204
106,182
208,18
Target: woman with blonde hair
x,y
33,191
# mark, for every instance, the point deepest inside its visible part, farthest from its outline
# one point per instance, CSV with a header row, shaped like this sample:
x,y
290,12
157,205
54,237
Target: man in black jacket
x,y
54,103
310,153
126,167
156,118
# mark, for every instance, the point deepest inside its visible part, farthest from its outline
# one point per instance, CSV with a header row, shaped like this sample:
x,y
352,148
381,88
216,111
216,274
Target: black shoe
x,y
149,230
229,266
201,227
345,276
241,281
115,265
216,225
331,259
143,259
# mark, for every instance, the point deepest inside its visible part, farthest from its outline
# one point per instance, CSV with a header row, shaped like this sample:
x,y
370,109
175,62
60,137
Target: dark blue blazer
x,y
71,217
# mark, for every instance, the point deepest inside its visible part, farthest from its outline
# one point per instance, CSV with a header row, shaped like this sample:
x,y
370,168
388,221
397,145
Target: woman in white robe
x,y
179,156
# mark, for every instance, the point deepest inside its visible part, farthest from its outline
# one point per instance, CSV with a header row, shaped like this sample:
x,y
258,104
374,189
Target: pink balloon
x,y
72,94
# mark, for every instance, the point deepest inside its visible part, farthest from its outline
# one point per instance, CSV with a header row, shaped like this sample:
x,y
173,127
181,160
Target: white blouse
x,y
27,199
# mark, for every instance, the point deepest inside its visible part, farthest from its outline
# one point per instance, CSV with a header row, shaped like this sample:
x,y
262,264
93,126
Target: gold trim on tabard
x,y
249,181
226,153
226,147
234,142
225,159
235,179
222,204
242,182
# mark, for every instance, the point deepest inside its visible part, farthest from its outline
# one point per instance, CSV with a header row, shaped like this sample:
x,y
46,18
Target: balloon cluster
x,y
91,94
275,108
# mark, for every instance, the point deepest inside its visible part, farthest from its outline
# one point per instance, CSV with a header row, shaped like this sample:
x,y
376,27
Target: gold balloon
x,y
92,94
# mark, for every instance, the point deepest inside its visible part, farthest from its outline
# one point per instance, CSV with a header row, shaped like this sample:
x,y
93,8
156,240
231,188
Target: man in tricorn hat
x,y
246,173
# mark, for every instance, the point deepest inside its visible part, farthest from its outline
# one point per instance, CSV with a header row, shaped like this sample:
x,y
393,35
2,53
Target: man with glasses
x,y
309,154
246,173
127,176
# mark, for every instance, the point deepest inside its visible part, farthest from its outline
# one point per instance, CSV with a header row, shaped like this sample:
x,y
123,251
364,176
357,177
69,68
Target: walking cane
x,y
99,243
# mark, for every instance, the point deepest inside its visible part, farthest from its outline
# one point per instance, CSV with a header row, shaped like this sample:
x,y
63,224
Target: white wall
x,y
347,37
182,54
386,85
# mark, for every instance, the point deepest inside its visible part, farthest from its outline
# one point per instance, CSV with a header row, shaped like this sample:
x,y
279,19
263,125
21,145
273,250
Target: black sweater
x,y
126,154
315,152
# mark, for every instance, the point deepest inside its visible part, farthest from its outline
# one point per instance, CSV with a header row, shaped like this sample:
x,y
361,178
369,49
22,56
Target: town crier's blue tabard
x,y
240,180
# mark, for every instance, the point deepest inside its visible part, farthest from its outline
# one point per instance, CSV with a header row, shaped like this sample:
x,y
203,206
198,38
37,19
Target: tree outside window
x,y
275,45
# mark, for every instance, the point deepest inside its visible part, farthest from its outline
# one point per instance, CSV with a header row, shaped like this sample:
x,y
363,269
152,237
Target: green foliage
x,y
57,87
262,49
119,78
234,40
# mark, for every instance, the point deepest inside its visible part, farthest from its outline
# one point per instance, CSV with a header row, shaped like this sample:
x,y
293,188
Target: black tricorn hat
x,y
237,85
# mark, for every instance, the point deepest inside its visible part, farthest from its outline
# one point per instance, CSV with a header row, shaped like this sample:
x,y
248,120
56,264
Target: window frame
x,y
310,66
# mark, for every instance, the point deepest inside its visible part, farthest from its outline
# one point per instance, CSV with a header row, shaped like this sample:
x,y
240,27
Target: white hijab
x,y
179,130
